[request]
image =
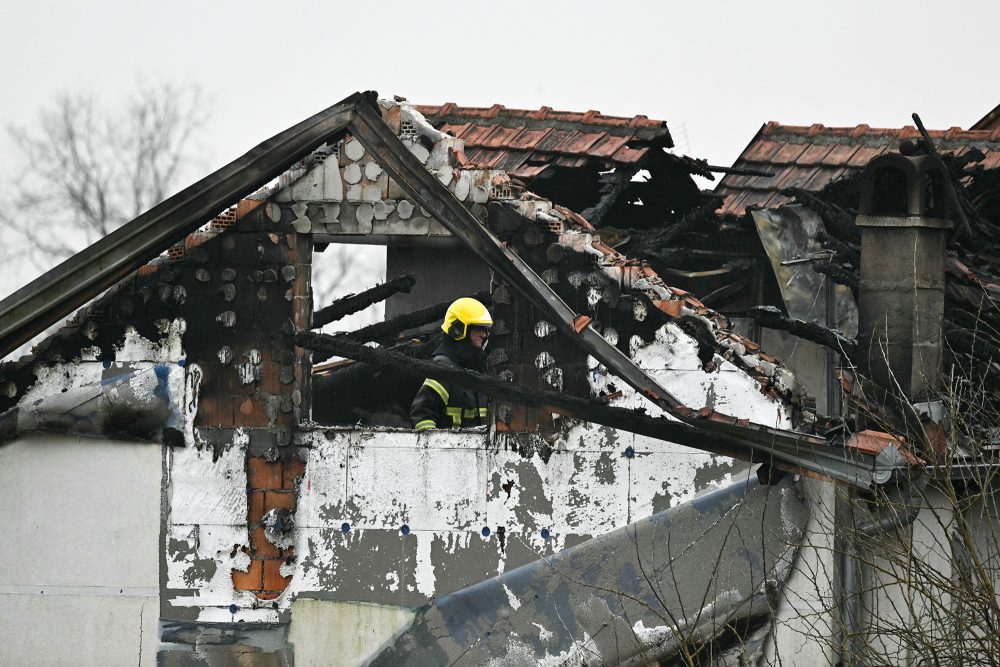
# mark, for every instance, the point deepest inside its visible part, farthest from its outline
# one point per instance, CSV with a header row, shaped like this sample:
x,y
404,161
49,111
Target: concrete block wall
x,y
79,582
902,302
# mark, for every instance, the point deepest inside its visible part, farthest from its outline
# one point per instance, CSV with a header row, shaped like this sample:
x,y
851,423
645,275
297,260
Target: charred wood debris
x,y
673,228
971,323
661,217
522,348
676,230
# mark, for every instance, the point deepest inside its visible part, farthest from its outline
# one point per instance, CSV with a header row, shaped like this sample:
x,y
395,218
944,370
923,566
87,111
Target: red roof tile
x,y
562,138
500,136
814,154
813,157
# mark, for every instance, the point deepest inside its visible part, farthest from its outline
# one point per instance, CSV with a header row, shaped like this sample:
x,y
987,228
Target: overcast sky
x,y
714,70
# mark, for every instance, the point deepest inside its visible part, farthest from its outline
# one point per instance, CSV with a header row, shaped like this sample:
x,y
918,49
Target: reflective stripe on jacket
x,y
441,404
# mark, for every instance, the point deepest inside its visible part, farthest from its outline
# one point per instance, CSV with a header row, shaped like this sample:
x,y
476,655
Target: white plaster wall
x,y
907,585
206,531
903,596
806,621
325,632
79,582
806,359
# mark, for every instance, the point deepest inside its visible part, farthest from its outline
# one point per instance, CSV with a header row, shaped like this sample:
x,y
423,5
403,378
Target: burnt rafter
x,y
771,317
840,274
381,331
354,303
56,293
711,432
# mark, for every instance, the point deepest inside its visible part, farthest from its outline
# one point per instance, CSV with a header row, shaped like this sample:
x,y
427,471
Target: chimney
x,y
904,221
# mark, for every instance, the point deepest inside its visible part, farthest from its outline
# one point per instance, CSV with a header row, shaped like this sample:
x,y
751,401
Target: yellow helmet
x,y
462,314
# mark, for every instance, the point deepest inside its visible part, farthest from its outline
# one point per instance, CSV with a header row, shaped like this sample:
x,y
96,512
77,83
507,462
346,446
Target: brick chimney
x,y
904,221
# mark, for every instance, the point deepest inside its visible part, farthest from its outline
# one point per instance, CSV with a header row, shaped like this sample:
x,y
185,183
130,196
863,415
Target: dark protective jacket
x,y
442,404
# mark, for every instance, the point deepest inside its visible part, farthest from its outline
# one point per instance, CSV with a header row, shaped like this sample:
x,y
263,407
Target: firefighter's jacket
x,y
442,404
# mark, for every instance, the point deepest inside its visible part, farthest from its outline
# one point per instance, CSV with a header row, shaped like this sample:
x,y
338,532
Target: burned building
x,y
816,171
259,500
901,221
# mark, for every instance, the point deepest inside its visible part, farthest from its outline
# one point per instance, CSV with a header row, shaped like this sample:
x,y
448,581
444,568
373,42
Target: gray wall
x,y
79,582
442,274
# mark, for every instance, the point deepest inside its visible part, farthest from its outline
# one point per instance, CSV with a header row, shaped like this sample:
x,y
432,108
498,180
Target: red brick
x,y
249,411
245,206
517,420
263,475
252,579
267,595
270,377
242,407
262,547
147,270
273,581
279,500
539,420
214,411
256,506
292,469
196,239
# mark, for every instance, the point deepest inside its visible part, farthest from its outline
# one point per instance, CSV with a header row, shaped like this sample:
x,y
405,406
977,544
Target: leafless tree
x,y
89,167
918,565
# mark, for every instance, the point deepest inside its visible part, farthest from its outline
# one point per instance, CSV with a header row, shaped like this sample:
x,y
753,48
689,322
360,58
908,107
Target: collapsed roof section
x,y
352,195
586,161
818,168
811,158
421,169
816,174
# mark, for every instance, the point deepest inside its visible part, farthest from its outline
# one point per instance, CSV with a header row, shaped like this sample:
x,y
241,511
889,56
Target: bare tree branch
x,y
88,167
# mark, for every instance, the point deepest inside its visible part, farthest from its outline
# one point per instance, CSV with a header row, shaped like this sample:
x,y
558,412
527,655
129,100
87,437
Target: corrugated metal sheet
x,y
812,157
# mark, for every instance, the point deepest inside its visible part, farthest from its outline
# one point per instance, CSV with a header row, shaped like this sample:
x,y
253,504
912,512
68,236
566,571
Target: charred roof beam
x,y
771,317
56,293
354,303
808,451
796,452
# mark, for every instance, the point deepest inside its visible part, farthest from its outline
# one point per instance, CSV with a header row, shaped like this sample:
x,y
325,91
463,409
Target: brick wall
x,y
253,292
242,288
271,486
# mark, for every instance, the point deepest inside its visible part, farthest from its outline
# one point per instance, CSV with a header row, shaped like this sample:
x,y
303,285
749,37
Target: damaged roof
x,y
526,143
360,116
812,157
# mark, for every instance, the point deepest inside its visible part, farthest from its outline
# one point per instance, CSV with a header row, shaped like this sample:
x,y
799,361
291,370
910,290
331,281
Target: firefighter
x,y
442,404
